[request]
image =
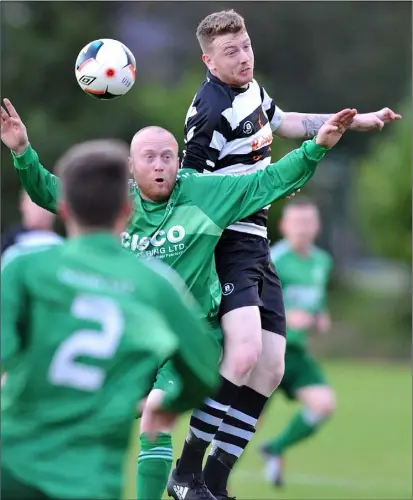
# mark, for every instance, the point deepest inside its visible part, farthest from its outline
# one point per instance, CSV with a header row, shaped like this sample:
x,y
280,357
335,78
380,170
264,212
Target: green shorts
x,y
301,370
166,376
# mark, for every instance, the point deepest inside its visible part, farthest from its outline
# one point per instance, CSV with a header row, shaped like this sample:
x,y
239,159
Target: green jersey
x,y
84,328
304,282
184,230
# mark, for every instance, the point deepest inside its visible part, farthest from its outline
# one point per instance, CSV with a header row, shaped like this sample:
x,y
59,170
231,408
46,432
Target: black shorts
x,y
249,278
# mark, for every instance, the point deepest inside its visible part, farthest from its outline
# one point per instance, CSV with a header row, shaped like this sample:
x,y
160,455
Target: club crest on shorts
x,y
227,289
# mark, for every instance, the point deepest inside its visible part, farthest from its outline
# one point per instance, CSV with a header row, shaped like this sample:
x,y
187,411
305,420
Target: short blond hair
x,y
217,24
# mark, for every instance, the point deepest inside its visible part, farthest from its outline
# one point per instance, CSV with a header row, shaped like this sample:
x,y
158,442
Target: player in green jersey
x,y
304,271
179,219
84,328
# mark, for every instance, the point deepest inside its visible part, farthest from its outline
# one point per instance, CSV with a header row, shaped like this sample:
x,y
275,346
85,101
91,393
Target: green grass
x,y
365,452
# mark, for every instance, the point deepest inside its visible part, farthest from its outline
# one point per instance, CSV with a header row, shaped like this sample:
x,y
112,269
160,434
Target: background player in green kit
x,y
84,327
304,271
179,219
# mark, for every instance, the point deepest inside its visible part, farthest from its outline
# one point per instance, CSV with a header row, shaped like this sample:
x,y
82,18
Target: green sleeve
x,y
12,307
195,359
42,186
229,198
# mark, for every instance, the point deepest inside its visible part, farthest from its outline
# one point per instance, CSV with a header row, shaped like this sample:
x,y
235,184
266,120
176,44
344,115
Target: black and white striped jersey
x,y
229,131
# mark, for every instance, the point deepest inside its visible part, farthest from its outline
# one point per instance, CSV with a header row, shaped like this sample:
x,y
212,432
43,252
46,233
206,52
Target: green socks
x,y
300,427
154,466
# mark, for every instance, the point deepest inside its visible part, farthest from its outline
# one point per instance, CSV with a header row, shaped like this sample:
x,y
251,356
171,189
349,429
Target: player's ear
x,y
207,61
63,210
130,162
126,210
281,226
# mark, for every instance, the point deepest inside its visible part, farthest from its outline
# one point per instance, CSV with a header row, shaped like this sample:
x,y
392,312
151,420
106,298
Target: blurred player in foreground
x,y
304,271
84,328
36,227
180,220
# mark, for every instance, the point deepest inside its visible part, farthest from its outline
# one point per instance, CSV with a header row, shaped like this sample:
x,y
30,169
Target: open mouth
x,y
159,180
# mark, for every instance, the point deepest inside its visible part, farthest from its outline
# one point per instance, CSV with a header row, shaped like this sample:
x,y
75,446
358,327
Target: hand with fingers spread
x,y
13,130
333,129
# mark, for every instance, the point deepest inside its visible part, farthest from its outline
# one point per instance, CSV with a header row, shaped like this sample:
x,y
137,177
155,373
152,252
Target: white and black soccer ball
x,y
105,69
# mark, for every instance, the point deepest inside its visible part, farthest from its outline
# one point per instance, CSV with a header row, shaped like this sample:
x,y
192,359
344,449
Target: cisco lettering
x,y
160,244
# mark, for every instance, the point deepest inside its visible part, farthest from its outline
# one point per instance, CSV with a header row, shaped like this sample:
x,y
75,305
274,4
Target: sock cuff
x,y
162,440
249,402
227,391
225,395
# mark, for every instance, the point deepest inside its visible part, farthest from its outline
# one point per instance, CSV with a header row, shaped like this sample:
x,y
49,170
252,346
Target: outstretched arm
x,y
306,125
230,198
42,186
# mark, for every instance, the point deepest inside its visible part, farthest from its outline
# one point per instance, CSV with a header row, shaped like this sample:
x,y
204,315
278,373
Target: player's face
x,y
300,225
231,59
154,165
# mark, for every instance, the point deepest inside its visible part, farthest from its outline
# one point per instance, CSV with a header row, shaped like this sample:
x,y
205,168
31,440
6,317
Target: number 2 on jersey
x,y
98,344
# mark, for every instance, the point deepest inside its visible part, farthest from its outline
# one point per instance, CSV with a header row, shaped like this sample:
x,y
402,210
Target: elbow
x,y
282,133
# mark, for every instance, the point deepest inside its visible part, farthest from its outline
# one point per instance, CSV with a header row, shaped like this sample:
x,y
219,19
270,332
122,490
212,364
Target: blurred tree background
x,y
311,57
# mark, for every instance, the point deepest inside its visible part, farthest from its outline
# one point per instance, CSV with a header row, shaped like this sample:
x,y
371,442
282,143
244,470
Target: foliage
x,y
384,191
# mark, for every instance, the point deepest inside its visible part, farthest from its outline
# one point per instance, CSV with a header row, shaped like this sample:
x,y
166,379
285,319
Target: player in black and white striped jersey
x,y
229,128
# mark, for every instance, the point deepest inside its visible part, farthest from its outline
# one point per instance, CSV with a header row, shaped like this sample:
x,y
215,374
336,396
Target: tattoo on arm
x,y
313,123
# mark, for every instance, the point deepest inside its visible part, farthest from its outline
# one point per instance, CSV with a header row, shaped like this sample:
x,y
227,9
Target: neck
x,y
74,229
303,250
213,73
146,197
151,199
38,227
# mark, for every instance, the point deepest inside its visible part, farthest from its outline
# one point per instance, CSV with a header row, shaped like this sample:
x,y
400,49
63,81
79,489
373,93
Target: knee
x,y
273,369
243,361
239,360
164,424
323,405
276,373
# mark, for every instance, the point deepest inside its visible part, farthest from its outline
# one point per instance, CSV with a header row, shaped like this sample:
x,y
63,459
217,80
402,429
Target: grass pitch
x,y
365,452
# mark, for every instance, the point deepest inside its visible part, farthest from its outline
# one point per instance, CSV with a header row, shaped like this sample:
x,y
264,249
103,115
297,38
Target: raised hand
x,y
333,129
13,130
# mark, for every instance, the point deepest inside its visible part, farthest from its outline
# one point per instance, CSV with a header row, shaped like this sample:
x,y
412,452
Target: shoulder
x,y
212,100
22,256
280,250
324,257
214,93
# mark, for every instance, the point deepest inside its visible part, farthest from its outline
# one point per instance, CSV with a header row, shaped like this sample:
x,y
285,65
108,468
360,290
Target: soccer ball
x,y
105,69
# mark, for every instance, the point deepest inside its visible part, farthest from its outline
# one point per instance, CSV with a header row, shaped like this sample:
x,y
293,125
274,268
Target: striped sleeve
x,y
207,130
274,113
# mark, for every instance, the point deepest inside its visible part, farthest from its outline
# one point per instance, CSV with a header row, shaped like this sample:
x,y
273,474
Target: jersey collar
x,y
238,90
98,239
